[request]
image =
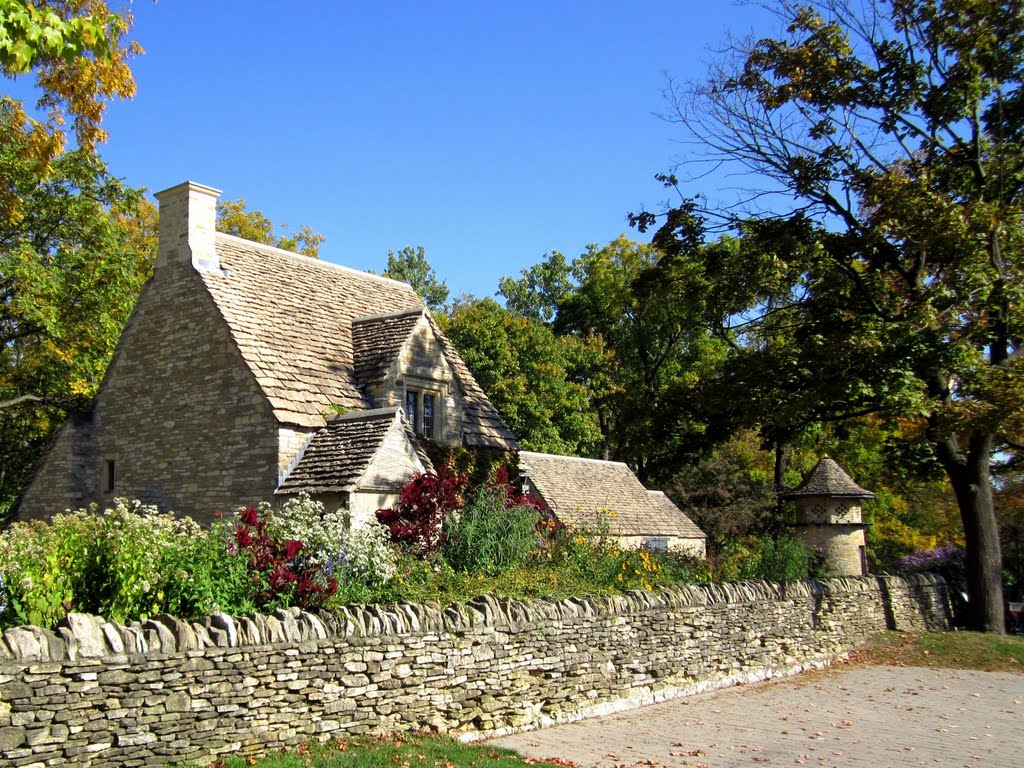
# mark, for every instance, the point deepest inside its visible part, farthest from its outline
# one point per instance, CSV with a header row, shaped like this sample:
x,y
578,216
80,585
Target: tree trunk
x,y
969,474
781,460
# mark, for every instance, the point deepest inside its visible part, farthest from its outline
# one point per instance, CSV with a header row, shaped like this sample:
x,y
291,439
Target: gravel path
x,y
844,717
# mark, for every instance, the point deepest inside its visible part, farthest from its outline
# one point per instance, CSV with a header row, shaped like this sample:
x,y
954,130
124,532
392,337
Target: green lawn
x,y
950,650
393,752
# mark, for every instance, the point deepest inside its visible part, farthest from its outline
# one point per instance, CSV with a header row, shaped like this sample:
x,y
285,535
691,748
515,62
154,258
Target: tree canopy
x,y
531,375
71,268
234,218
410,265
892,255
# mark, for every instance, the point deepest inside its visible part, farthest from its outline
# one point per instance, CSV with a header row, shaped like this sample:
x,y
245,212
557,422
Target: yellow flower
x,y
648,587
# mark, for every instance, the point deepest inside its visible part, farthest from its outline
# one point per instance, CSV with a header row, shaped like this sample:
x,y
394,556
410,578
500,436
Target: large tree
x,y
76,51
891,135
71,267
531,375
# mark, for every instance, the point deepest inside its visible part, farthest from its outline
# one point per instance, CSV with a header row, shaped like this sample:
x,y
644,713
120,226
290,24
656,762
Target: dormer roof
x,y
338,456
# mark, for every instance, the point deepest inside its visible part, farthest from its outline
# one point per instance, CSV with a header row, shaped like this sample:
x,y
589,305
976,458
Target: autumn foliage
x,y
282,575
417,519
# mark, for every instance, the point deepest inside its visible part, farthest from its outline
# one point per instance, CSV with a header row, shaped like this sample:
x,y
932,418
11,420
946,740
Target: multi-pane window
x,y
428,415
421,411
656,544
412,411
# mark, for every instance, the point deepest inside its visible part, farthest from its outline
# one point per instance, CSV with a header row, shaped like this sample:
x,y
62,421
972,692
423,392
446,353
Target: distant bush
x,y
777,559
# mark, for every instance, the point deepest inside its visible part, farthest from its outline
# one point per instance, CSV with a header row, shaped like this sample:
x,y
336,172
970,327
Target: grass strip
x,y
407,751
947,650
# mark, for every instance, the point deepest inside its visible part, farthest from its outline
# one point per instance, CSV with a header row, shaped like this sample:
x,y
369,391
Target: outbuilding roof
x,y
588,492
828,479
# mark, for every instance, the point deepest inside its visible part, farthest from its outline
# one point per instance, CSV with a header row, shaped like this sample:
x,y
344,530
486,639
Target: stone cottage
x,y
246,371
588,492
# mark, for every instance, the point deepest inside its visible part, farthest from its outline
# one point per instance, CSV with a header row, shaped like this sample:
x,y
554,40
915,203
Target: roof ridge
x,y
386,315
274,250
371,413
608,462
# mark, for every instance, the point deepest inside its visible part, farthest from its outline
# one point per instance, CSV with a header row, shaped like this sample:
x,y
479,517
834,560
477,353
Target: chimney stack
x,y
188,219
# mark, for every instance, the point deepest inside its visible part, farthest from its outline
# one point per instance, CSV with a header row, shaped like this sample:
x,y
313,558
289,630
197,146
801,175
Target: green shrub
x,y
684,568
487,537
201,576
107,563
779,559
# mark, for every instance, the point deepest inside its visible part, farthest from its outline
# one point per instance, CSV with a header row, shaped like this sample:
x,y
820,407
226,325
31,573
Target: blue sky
x,y
487,132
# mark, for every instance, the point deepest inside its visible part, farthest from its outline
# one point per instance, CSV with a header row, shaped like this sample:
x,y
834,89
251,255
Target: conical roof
x,y
829,479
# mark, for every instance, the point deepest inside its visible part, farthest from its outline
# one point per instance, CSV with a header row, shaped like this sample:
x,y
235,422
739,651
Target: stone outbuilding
x,y
829,517
586,493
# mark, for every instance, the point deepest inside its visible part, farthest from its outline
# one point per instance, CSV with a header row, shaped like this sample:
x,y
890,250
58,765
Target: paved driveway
x,y
842,717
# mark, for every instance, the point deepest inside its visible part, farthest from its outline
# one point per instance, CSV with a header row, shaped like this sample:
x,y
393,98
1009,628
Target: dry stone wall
x,y
102,694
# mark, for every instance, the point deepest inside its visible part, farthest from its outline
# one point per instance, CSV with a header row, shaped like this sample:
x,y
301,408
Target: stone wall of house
x,y
179,414
66,472
102,694
199,435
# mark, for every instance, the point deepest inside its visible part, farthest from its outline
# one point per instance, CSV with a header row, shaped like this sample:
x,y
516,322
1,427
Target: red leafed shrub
x,y
513,498
280,573
416,520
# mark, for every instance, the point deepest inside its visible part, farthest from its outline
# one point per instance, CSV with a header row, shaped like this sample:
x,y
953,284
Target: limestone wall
x,y
198,436
100,694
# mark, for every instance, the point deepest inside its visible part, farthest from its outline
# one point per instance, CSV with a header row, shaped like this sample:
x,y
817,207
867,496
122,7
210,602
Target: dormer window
x,y
421,411
428,415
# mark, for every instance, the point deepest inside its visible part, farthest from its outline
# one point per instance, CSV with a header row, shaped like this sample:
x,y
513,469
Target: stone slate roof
x,y
673,513
579,490
829,479
377,340
339,454
292,319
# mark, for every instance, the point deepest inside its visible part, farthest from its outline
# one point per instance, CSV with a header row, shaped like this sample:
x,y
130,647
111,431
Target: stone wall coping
x,y
85,638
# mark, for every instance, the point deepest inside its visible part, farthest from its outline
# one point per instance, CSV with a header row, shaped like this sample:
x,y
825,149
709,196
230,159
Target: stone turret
x,y
829,519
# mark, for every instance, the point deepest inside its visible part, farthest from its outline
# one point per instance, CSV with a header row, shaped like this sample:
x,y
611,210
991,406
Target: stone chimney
x,y
188,218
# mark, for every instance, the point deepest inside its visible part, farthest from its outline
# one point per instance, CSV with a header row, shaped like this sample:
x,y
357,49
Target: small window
x,y
428,415
109,477
412,399
656,544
